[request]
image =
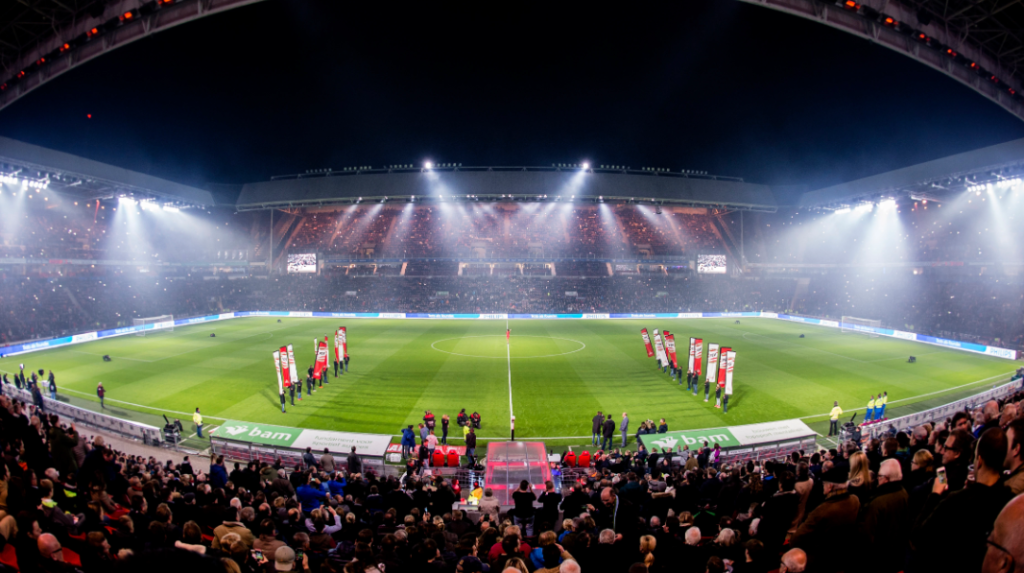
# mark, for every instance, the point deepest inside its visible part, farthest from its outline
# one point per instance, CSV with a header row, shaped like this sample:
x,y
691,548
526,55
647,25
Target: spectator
x,y
824,534
962,518
885,521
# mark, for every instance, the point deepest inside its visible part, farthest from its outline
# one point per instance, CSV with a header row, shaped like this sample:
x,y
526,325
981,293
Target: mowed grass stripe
x,y
396,374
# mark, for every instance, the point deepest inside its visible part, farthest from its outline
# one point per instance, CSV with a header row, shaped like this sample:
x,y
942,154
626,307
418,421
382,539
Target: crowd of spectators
x,y
936,497
978,309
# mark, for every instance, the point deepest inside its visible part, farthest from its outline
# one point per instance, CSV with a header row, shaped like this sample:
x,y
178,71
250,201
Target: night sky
x,y
285,86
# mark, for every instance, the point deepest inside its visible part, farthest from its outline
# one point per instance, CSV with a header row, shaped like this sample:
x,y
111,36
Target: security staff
x,y
881,409
197,419
869,415
335,368
282,401
833,419
346,363
291,391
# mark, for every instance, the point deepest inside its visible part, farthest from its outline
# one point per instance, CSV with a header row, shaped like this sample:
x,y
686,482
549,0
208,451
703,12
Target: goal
x,y
164,322
859,325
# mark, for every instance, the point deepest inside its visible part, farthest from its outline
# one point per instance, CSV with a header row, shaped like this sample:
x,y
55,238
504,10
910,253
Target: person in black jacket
x,y
471,447
950,532
609,431
596,429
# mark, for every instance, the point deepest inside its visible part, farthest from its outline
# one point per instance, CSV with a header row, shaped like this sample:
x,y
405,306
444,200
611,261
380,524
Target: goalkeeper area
x,y
155,324
555,374
864,326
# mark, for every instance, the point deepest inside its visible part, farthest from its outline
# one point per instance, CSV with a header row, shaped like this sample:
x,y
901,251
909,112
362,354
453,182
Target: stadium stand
x,y
74,504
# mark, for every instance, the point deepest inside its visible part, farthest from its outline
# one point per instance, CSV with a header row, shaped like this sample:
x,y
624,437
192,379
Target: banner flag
x,y
321,361
647,342
293,367
283,353
277,365
723,352
713,361
698,354
659,348
689,365
344,342
337,345
731,359
316,348
670,344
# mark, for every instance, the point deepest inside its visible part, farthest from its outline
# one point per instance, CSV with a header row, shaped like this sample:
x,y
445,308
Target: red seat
x,y
8,556
437,460
71,558
453,458
584,461
570,460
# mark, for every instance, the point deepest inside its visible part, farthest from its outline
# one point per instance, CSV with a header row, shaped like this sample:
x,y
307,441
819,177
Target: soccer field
x,y
562,373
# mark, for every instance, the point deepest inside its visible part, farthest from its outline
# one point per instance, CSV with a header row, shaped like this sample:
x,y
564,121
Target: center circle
x,y
493,346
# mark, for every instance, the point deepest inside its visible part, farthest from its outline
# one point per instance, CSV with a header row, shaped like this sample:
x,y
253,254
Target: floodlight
x,y
428,165
887,204
586,165
841,211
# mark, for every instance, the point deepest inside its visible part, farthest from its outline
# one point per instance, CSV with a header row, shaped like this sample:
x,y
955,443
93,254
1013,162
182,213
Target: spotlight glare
x,y
586,165
841,211
428,165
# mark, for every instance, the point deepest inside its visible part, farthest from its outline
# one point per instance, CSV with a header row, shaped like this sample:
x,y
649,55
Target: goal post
x,y
164,322
854,325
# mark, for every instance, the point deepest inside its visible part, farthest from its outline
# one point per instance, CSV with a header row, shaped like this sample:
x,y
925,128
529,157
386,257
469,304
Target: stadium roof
x,y
90,179
494,183
41,39
932,178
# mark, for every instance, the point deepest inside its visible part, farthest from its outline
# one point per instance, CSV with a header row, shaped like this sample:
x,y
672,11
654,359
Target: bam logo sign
x,y
260,434
693,439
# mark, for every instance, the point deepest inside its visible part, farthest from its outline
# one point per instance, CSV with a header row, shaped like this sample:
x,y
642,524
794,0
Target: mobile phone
x,y
298,555
257,555
940,474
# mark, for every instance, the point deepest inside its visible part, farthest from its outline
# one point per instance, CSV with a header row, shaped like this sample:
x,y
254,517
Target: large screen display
x,y
711,264
302,263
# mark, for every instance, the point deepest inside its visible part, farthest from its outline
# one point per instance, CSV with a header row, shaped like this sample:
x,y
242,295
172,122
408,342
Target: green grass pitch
x,y
563,372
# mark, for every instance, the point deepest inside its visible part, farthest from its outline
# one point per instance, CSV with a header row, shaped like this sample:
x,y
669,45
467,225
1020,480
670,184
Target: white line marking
x,y
583,346
508,352
137,405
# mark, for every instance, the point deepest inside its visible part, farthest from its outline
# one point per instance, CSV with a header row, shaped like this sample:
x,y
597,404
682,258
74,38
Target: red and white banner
x,y
731,362
698,354
283,365
723,352
321,361
277,365
689,365
344,342
670,344
292,366
713,360
659,348
647,343
337,345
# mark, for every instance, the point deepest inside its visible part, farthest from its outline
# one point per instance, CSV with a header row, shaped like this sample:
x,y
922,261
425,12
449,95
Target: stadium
x,y
569,366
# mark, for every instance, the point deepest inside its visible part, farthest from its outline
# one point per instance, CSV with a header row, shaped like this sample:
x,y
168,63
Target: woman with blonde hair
x,y
516,564
860,477
647,546
922,469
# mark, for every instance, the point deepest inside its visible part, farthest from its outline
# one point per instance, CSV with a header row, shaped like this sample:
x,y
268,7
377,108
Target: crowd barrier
x,y
149,435
888,332
910,421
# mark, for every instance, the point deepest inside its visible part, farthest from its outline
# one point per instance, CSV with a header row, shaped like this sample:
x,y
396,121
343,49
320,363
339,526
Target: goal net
x,y
164,322
859,325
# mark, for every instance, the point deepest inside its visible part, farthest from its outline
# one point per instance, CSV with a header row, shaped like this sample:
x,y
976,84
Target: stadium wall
x,y
903,335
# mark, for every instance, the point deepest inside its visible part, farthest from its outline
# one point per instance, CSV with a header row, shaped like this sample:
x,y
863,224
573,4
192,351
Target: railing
x,y
149,435
908,422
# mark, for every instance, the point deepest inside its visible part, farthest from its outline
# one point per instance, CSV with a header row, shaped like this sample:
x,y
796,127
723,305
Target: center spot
x,y
494,346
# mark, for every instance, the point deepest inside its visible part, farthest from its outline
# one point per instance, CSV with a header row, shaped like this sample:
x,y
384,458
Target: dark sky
x,y
284,86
